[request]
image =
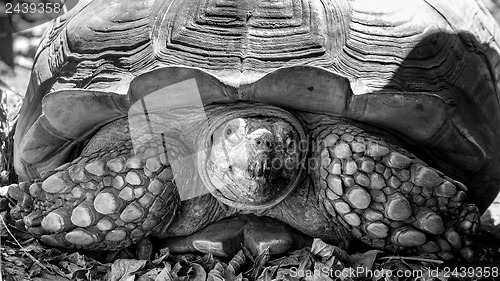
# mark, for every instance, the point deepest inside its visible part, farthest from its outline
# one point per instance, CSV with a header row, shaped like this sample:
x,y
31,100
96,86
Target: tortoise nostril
x,y
264,143
262,139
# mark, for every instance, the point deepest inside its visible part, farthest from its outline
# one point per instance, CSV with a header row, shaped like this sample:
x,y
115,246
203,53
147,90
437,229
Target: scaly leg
x,y
104,201
388,198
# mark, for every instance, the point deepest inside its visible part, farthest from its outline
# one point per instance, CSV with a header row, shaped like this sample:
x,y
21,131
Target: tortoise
x,y
212,124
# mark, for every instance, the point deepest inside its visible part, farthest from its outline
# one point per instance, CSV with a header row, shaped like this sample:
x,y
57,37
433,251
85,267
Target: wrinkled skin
x,y
122,137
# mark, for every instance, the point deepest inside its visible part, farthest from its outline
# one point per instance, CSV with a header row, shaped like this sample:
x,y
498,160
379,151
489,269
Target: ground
x,y
23,258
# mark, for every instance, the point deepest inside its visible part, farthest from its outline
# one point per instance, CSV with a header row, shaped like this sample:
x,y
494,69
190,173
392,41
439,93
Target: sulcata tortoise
x,y
213,124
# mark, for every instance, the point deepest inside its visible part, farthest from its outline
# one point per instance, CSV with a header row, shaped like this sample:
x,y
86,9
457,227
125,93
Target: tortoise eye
x,y
234,138
233,131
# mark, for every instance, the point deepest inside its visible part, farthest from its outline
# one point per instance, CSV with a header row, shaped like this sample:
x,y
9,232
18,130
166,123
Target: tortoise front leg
x,y
104,201
360,185
390,199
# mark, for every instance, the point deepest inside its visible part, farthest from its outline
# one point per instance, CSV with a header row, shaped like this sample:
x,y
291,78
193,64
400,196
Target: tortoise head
x,y
254,162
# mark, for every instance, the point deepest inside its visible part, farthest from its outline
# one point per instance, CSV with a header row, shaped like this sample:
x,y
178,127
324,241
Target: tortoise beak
x,y
261,142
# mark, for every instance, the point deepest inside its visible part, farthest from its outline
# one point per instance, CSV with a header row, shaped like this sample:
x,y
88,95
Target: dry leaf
x,y
236,262
365,259
220,273
164,253
258,266
124,270
199,273
150,275
327,251
269,273
165,274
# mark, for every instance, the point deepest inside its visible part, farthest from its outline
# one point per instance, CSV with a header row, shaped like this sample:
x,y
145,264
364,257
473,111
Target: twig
x,y
24,250
411,259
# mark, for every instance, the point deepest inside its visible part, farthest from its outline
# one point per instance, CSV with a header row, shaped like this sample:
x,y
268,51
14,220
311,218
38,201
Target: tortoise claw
x,y
469,219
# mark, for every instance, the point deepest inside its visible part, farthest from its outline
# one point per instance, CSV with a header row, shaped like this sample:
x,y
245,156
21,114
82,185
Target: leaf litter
x,y
29,260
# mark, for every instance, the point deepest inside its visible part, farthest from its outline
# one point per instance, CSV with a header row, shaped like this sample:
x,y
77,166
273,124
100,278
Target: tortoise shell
x,y
424,70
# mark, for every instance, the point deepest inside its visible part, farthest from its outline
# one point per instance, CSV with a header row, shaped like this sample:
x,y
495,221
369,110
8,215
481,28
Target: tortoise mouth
x,y
226,237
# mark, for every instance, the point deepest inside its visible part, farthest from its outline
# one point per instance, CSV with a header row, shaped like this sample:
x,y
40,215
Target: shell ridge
x,y
428,112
